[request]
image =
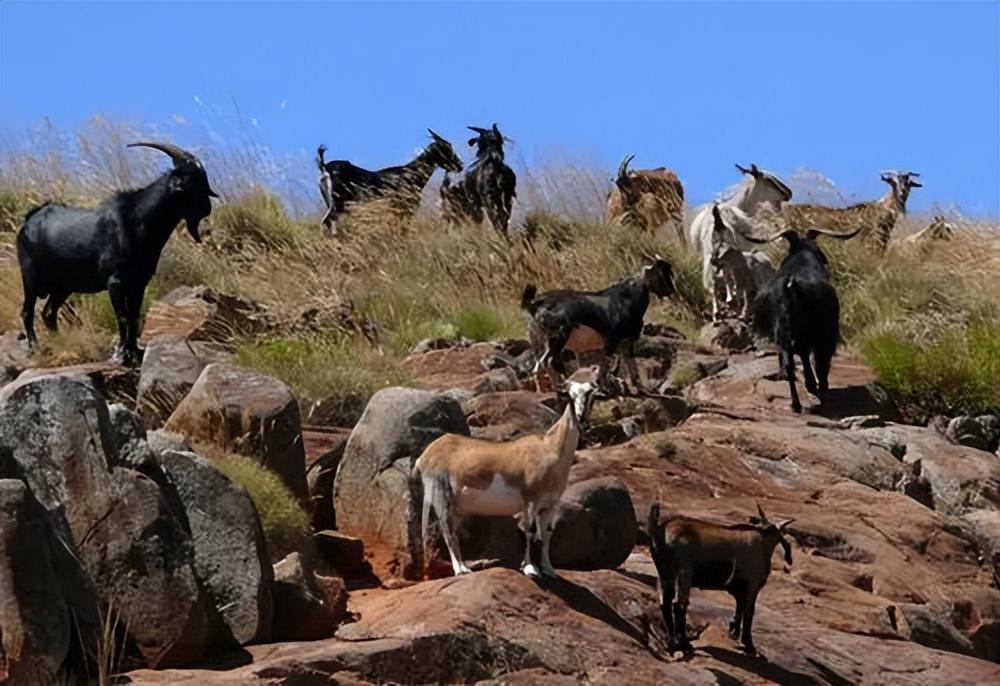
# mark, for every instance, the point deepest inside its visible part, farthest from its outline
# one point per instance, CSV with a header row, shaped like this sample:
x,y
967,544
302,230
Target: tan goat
x,y
468,476
938,230
647,199
876,218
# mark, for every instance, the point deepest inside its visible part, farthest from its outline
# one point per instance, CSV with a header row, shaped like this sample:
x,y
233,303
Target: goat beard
x,y
192,227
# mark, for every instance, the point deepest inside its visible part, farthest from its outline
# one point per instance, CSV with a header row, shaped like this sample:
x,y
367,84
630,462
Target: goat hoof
x,y
734,632
532,571
750,650
797,408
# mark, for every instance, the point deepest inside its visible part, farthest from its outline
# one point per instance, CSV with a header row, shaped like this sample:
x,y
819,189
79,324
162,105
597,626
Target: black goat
x,y
341,182
489,185
65,250
693,554
799,311
615,314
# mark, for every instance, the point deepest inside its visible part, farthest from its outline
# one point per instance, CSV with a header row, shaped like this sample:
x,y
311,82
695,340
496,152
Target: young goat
x,y
690,553
742,273
614,313
469,476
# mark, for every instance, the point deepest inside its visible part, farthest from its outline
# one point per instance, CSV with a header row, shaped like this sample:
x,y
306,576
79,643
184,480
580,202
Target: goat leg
x,y
735,625
529,522
547,524
807,374
787,361
681,600
746,637
28,317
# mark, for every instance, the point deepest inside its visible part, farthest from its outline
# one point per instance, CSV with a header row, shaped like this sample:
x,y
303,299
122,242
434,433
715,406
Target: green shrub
x,y
957,373
285,523
332,375
256,218
483,322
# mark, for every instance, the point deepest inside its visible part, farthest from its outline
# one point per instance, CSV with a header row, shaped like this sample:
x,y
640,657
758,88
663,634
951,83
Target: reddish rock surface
x,y
200,314
883,589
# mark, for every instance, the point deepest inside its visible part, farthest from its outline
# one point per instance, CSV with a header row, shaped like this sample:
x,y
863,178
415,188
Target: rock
x,y
344,553
456,367
230,409
496,381
503,416
198,313
138,557
981,433
931,625
115,383
230,555
160,441
728,334
305,609
660,348
986,528
654,413
596,528
324,450
35,621
372,487
426,345
141,560
14,356
169,370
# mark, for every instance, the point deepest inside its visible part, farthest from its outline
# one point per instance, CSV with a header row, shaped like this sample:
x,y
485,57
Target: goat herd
x,y
115,247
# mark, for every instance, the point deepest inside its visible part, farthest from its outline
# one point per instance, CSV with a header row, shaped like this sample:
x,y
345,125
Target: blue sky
x,y
847,89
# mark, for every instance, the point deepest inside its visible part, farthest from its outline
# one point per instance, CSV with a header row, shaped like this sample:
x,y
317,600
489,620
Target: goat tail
x,y
528,298
320,162
654,529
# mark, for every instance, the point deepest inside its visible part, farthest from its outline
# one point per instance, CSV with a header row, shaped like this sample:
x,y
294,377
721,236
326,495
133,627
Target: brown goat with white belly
x,y
690,553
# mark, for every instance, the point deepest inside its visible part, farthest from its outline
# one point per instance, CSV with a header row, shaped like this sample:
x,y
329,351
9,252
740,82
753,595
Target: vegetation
x,y
917,319
285,523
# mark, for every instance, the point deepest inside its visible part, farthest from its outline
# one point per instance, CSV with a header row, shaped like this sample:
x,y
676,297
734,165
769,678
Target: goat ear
x,y
473,141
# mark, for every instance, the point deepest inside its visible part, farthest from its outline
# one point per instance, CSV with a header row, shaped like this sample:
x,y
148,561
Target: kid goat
x,y
469,476
690,553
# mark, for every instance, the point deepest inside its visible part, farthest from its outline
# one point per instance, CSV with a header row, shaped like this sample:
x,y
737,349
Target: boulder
x,y
117,384
136,555
596,528
372,489
344,553
198,313
235,410
727,334
455,367
35,620
496,381
306,609
506,415
230,555
169,370
14,356
160,441
981,433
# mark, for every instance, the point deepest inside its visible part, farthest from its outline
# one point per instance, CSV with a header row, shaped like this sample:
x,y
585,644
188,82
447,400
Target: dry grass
x,y
405,282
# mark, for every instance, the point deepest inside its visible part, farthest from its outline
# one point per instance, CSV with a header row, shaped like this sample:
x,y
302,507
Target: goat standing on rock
x,y
471,476
692,554
615,314
116,247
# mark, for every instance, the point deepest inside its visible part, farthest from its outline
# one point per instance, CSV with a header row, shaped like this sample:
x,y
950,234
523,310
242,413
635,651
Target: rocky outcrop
x,y
982,433
230,556
115,383
726,334
236,410
506,415
372,489
169,370
199,313
306,608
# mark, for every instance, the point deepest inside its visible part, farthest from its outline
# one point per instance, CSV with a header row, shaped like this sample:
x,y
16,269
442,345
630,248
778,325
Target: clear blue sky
x,y
844,88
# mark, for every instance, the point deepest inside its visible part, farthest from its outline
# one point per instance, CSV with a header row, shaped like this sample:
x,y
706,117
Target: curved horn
x,y
743,170
178,155
811,234
623,167
434,134
476,129
785,524
763,517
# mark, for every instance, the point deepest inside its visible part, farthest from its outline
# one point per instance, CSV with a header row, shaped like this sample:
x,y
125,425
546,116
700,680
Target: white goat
x,y
744,274
469,476
714,224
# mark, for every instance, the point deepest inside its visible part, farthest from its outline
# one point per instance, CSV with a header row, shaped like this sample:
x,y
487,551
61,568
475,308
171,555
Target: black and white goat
x,y
115,247
489,186
341,182
799,310
614,314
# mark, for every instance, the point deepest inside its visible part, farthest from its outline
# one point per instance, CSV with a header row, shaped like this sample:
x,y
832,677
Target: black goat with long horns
x,y
115,247
488,186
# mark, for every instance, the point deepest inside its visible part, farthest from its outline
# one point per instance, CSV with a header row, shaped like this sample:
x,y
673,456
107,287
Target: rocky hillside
x,y
129,541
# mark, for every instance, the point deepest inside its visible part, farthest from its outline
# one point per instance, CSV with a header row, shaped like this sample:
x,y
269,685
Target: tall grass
x,y
398,283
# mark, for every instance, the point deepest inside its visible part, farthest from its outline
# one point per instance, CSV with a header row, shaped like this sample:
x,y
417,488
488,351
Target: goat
x,y
741,273
939,230
876,218
799,310
759,192
469,476
614,313
488,186
689,553
647,199
341,182
64,250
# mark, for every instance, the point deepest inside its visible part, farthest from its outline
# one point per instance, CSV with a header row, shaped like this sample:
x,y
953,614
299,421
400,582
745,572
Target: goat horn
x,y
783,525
623,167
760,513
178,155
743,170
476,129
811,234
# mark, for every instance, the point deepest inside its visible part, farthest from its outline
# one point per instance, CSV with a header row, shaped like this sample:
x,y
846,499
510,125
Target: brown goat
x,y
647,199
690,553
876,218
